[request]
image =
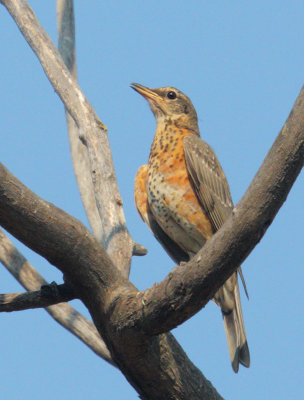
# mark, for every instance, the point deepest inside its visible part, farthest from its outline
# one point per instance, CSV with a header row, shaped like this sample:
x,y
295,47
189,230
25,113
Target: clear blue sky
x,y
241,63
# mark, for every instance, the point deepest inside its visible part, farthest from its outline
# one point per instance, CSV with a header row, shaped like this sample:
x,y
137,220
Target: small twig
x,y
48,295
139,250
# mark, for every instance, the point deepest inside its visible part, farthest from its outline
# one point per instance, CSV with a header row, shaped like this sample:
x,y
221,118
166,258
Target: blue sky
x,y
241,63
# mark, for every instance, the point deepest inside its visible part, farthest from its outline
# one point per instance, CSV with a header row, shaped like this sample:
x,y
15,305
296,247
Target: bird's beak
x,y
147,93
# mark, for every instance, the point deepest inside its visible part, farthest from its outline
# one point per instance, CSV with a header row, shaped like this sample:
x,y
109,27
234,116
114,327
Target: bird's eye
x,y
171,95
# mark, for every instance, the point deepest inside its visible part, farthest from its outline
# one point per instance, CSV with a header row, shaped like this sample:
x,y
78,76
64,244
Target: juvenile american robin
x,y
183,196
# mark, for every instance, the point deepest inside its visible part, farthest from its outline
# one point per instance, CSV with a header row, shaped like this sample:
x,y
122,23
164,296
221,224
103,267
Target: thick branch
x,y
115,236
66,243
48,295
63,313
72,244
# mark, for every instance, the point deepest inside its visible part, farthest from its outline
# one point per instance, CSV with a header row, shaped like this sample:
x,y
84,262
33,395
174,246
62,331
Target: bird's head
x,y
169,103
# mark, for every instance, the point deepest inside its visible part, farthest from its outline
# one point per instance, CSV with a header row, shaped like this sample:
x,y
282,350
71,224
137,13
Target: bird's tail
x,y
228,298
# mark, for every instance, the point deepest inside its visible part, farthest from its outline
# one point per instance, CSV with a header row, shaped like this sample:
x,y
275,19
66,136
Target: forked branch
x,y
93,134
62,313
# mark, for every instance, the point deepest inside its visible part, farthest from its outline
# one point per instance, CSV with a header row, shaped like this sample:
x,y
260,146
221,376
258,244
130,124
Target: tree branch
x,y
81,162
48,295
93,134
66,243
63,313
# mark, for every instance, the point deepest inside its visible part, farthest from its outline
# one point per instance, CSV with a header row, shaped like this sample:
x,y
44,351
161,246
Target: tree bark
x,y
46,296
62,313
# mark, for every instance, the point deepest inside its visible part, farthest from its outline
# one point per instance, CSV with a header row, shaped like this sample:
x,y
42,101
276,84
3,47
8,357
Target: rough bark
x,y
46,296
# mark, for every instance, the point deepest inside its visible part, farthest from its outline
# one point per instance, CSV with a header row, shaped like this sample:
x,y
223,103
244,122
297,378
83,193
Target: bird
x,y
183,195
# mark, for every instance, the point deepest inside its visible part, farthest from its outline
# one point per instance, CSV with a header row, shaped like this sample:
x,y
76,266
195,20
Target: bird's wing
x,y
210,183
142,205
208,179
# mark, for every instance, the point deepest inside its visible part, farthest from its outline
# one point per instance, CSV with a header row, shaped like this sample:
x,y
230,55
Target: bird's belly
x,y
177,210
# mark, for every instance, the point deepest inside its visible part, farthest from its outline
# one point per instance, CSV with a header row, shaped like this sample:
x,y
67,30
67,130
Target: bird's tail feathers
x,y
235,333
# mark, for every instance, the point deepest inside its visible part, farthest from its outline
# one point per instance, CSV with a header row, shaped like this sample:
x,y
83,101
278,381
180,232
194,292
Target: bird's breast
x,y
170,194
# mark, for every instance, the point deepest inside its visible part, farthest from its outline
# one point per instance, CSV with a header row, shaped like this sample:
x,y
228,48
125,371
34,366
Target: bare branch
x,y
115,236
81,163
48,295
63,313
